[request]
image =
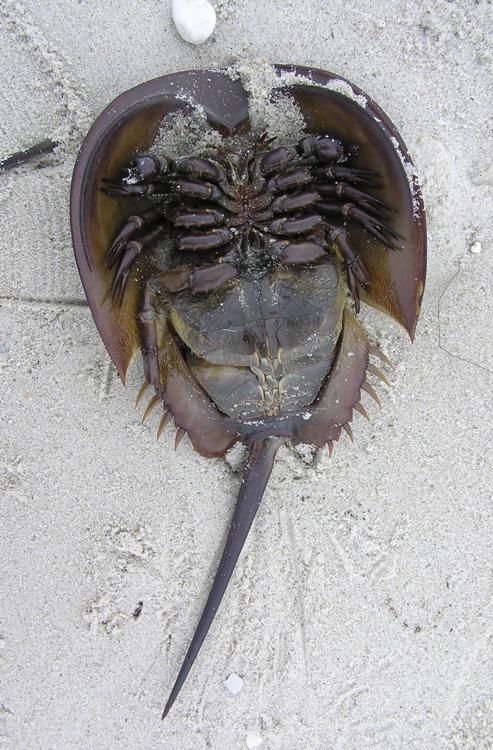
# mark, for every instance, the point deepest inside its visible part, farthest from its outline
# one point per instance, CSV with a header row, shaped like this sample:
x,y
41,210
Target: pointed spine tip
x,y
179,436
376,371
165,712
165,419
366,386
347,429
383,357
361,410
143,388
150,406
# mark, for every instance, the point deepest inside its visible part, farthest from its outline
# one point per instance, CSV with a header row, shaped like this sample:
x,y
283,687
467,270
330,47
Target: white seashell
x,y
195,20
253,740
234,684
476,247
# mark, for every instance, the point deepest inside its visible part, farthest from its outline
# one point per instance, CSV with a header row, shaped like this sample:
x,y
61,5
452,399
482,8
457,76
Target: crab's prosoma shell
x,y
130,125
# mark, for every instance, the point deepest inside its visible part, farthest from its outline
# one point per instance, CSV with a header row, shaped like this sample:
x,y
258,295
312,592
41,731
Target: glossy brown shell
x,y
130,124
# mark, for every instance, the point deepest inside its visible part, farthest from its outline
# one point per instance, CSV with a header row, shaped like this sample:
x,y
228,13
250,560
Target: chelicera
x,y
243,326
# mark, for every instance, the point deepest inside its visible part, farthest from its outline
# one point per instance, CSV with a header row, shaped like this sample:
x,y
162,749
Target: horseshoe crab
x,y
244,325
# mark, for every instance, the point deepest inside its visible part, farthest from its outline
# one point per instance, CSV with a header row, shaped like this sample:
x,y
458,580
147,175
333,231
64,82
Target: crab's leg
x,y
356,176
289,202
198,280
257,472
147,318
117,190
198,190
295,226
292,178
203,279
343,190
198,219
210,240
128,231
325,148
355,267
198,168
145,175
298,252
381,231
127,258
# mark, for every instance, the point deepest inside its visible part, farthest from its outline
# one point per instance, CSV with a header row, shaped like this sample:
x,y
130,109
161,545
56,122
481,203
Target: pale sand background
x,y
361,615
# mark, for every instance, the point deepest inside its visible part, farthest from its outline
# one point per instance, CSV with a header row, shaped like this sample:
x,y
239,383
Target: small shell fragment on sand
x,y
476,248
195,20
234,684
253,740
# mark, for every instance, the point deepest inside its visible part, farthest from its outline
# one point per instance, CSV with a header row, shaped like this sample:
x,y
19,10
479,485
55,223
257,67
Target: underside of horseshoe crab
x,y
238,271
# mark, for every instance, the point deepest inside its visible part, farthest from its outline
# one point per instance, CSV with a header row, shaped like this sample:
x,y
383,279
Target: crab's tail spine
x,y
255,478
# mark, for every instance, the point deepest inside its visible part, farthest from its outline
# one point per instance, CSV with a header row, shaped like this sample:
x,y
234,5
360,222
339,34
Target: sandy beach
x,y
360,616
